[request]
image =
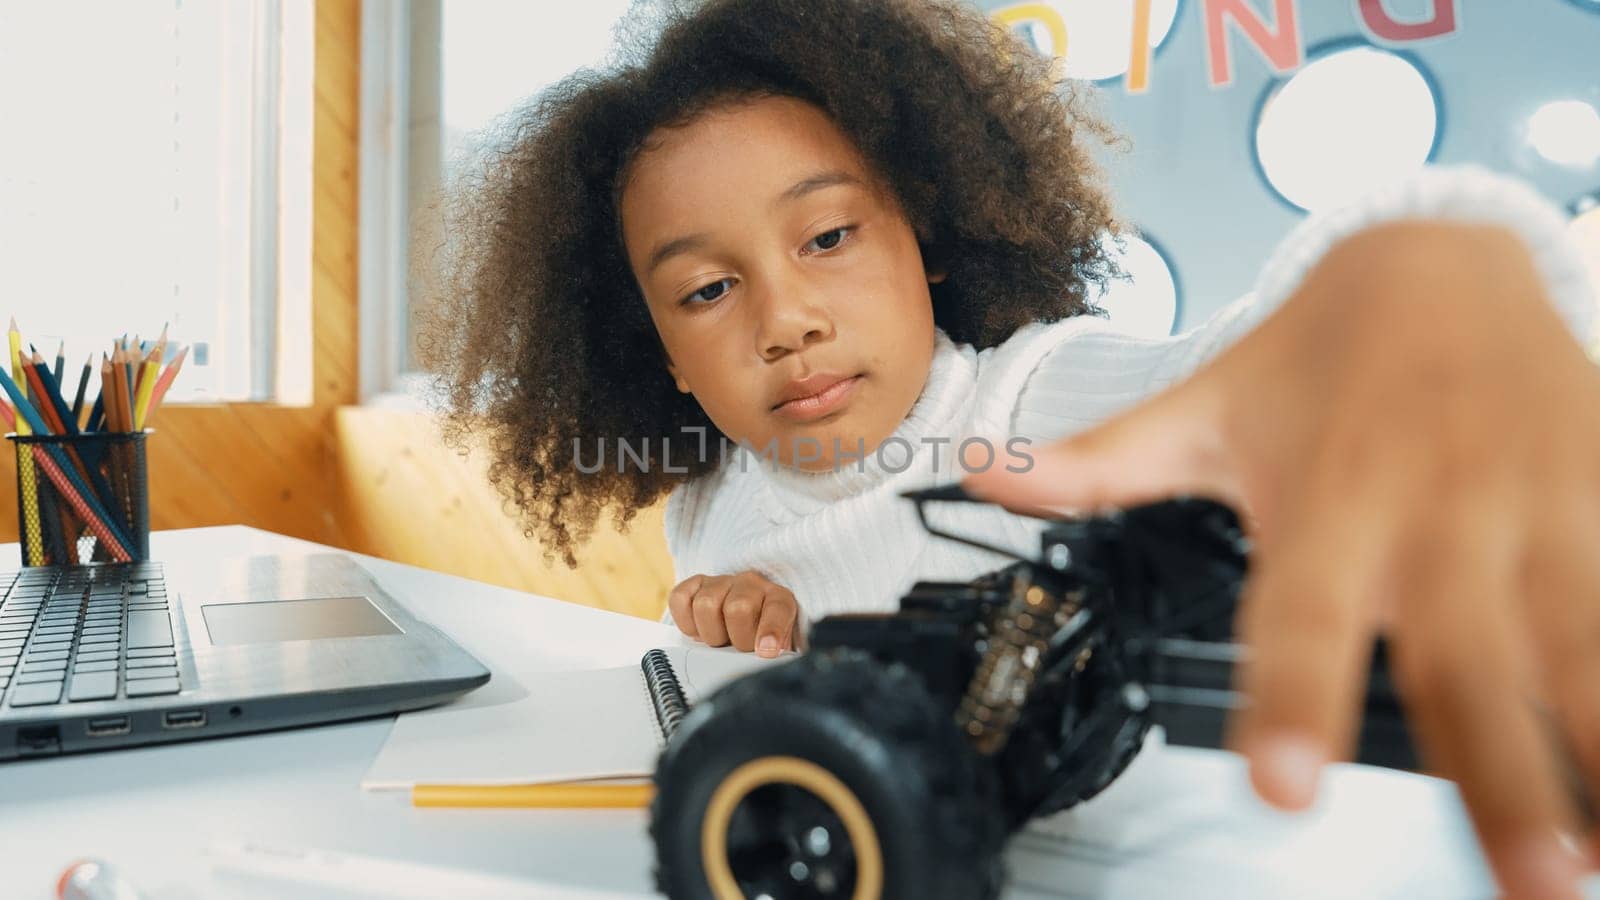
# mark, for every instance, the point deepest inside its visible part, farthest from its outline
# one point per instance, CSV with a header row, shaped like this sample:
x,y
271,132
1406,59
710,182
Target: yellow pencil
x,y
30,486
534,796
147,386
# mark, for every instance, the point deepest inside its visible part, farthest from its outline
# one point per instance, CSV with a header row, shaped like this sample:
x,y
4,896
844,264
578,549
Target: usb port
x,y
108,726
189,718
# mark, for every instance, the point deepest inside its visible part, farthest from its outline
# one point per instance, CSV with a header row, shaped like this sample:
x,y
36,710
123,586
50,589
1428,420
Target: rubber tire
x,y
933,802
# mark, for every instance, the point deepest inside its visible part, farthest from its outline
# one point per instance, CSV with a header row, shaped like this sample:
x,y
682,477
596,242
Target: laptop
x,y
101,656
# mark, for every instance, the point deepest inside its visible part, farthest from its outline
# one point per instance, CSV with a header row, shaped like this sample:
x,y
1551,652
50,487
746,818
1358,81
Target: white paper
x,y
1184,822
559,726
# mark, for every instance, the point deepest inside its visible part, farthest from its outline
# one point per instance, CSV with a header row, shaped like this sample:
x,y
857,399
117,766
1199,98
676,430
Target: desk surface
x,y
151,811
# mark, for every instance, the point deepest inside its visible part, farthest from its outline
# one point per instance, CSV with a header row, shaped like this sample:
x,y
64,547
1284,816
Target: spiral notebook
x,y
571,726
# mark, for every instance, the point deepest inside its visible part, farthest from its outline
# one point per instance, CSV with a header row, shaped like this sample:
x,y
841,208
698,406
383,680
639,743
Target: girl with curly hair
x,y
861,238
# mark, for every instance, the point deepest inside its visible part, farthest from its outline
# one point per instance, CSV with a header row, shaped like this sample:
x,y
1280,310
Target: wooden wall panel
x,y
410,498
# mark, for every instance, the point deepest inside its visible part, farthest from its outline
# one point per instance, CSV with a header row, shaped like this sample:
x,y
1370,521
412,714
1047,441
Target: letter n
x,y
1280,44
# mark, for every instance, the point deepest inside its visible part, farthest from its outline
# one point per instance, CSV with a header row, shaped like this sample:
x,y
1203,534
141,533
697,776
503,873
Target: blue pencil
x,y
95,412
52,395
83,386
98,412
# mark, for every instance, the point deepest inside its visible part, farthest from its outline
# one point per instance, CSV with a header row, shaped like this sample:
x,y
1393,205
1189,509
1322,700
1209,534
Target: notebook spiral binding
x,y
666,694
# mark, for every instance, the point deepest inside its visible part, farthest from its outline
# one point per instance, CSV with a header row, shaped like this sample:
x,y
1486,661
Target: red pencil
x,y
45,406
164,382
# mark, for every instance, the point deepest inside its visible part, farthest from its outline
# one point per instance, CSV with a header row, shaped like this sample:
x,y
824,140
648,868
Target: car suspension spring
x,y
1017,643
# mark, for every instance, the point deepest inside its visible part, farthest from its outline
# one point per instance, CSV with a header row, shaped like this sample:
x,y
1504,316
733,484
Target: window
x,y
438,79
162,176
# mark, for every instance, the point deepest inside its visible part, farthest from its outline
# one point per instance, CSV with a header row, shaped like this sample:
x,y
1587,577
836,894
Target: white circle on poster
x,y
1146,302
1344,124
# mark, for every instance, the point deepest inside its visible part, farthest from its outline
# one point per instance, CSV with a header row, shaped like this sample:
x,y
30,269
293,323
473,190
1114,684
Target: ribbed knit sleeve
x,y
1092,374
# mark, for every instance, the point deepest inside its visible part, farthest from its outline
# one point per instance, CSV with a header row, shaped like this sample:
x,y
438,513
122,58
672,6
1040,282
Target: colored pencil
x,y
565,795
97,418
83,383
52,393
159,353
27,416
114,394
59,467
125,399
42,403
110,413
125,396
130,358
113,390
124,373
130,376
119,361
147,386
27,482
164,382
108,394
16,368
134,380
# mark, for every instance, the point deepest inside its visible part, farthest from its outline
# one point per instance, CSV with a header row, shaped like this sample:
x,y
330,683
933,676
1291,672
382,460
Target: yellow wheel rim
x,y
803,774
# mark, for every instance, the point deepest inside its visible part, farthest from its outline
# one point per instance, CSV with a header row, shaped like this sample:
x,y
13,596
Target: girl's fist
x,y
745,610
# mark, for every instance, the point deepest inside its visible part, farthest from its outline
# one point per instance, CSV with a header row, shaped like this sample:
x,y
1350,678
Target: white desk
x,y
151,811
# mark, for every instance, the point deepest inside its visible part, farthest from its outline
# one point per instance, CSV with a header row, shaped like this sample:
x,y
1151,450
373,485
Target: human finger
x,y
741,609
1309,628
708,610
680,603
775,632
1467,696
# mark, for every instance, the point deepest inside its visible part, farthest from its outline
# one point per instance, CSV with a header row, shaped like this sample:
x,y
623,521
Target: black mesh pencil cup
x,y
82,498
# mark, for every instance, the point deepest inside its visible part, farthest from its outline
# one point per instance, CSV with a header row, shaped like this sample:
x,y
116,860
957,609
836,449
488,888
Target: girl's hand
x,y
1414,440
745,610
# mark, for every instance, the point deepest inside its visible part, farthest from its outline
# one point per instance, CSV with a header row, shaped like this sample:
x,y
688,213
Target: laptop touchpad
x,y
295,620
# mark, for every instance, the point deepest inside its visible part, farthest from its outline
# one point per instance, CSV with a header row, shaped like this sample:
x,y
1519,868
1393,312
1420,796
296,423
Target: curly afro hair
x,y
539,335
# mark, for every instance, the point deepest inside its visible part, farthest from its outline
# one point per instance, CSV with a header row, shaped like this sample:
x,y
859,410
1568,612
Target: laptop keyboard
x,y
72,634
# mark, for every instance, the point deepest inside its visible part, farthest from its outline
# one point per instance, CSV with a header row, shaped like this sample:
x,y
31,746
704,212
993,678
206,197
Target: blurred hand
x,y
1414,440
745,610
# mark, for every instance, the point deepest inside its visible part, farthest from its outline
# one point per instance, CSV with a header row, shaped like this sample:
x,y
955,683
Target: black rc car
x,y
897,755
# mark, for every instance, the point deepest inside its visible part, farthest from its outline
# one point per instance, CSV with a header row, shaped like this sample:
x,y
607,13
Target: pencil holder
x,y
82,498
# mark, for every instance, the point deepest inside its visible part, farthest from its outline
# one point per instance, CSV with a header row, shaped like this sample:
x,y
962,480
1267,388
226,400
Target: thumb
x,y
1171,444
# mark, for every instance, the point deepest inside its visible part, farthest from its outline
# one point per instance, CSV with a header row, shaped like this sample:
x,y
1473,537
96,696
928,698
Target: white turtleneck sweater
x,y
845,541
